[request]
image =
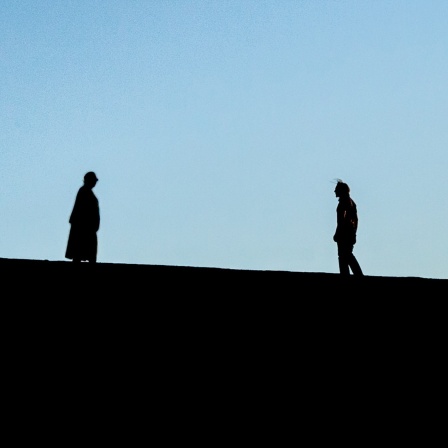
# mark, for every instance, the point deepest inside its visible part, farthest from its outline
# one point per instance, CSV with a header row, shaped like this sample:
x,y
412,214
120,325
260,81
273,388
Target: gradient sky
x,y
217,129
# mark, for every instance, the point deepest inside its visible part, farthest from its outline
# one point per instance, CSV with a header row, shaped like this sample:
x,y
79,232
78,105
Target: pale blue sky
x,y
217,129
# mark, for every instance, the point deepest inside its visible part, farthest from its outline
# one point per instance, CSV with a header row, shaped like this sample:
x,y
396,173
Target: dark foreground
x,y
179,302
205,354
149,296
154,283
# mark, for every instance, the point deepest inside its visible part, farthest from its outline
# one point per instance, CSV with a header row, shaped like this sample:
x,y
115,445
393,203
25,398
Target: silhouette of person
x,y
346,228
82,244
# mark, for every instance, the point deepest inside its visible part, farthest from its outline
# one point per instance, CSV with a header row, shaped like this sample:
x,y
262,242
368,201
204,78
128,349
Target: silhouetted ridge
x,y
148,282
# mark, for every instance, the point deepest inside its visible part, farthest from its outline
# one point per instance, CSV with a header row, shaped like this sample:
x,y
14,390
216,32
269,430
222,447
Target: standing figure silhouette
x,y
346,228
84,222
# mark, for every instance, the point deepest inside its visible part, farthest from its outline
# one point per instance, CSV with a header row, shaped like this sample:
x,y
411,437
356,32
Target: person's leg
x,y
93,248
354,265
343,258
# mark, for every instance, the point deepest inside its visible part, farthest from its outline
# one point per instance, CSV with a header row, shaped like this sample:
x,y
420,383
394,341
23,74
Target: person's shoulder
x,y
83,191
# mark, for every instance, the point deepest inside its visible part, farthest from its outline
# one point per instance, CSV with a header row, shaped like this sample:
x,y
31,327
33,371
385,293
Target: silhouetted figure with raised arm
x,y
84,222
346,228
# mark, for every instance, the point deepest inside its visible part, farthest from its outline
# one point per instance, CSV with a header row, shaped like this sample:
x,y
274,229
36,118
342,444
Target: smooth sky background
x,y
217,129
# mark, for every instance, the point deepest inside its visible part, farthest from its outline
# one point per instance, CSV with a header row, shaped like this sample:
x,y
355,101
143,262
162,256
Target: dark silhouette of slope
x,y
110,338
106,306
130,282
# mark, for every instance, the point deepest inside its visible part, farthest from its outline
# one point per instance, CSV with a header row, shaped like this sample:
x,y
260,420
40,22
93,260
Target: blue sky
x,y
217,129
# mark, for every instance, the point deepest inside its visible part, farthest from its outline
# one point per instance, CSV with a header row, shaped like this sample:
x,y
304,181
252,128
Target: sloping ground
x,y
182,302
187,350
132,281
177,300
63,277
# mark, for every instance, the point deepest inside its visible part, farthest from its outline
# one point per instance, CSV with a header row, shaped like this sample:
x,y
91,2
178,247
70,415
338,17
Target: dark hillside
x,y
155,283
218,345
136,287
178,300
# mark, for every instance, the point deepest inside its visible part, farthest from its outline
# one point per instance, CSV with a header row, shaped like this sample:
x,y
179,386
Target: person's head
x,y
90,179
342,189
